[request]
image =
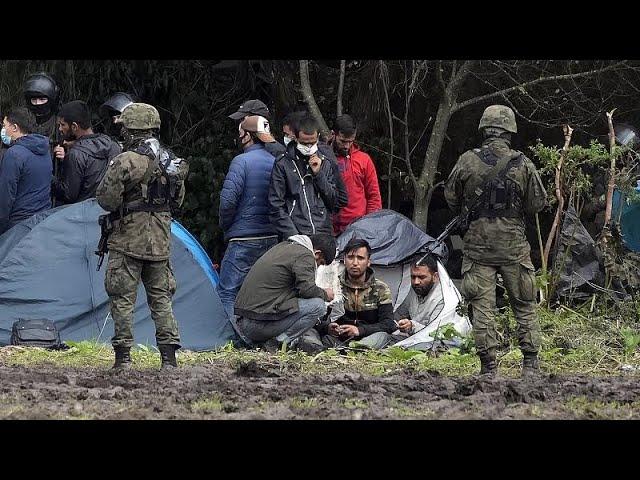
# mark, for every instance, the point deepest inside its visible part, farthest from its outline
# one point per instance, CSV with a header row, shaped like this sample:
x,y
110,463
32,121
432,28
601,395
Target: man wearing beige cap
x,y
257,107
244,208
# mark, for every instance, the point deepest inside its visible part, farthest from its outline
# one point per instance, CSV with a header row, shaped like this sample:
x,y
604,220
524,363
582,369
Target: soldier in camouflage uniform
x,y
495,241
135,190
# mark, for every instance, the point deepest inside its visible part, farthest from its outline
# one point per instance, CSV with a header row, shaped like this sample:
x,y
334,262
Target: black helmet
x,y
116,103
41,85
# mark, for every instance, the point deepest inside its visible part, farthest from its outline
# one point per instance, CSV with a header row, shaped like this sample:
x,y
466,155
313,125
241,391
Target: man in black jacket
x,y
303,193
87,157
288,126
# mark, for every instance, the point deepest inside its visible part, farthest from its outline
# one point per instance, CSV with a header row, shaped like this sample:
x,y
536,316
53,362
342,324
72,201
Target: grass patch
x,y
353,403
598,341
594,409
207,405
304,403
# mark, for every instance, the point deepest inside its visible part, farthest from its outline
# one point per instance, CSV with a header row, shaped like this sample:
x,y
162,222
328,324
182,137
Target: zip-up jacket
x,y
369,307
299,201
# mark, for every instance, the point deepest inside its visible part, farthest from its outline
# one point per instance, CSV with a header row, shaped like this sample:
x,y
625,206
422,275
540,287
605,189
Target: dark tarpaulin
x,y
577,259
392,236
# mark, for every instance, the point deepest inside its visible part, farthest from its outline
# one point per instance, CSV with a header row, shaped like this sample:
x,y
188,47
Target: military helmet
x,y
41,85
499,116
140,116
116,103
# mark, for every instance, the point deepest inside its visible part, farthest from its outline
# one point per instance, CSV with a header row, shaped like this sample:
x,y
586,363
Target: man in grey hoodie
x,y
279,299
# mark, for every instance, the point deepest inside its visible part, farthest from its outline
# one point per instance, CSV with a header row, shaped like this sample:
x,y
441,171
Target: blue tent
x,y
627,212
48,270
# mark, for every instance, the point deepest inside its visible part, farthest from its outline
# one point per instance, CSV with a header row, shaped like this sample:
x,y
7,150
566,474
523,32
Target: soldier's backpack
x,y
164,179
36,333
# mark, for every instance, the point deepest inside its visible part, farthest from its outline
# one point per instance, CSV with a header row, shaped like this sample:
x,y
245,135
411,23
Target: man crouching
x,y
279,299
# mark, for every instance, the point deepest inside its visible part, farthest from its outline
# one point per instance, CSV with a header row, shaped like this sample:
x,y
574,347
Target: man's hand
x,y
348,330
329,292
58,152
314,162
405,325
333,329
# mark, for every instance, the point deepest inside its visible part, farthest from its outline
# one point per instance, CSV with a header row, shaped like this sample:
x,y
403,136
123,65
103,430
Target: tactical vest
x,y
161,185
502,197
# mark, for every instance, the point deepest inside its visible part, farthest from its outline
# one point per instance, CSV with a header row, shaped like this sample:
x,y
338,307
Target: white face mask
x,y
307,151
286,140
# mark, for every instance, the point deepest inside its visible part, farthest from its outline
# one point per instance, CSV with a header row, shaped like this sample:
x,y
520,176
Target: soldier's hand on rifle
x,y
405,325
314,162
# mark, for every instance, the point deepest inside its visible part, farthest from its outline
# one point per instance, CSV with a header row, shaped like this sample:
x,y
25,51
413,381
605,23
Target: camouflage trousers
x,y
121,283
479,289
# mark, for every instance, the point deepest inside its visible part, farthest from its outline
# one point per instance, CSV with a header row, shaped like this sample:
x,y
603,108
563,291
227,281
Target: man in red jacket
x,y
359,175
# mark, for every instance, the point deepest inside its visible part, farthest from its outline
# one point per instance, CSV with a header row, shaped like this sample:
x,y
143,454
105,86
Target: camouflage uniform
x,y
495,241
139,248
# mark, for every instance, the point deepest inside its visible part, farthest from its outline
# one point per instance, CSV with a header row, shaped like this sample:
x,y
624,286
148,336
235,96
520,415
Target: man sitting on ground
x,y
368,308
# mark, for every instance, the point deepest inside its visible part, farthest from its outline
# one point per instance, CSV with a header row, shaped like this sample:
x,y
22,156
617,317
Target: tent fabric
x,y
627,213
452,298
392,236
48,269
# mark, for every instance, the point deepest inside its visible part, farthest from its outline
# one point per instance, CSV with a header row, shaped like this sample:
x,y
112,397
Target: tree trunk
x,y
430,164
612,170
340,88
307,93
420,207
559,195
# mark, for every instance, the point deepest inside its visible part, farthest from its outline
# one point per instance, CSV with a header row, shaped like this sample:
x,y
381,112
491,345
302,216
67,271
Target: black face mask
x,y
114,129
239,144
43,110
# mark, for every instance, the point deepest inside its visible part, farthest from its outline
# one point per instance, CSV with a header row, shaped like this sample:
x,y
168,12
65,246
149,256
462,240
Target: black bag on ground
x,y
36,333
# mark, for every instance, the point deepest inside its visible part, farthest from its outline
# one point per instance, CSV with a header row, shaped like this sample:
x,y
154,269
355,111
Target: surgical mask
x,y
286,140
6,139
307,151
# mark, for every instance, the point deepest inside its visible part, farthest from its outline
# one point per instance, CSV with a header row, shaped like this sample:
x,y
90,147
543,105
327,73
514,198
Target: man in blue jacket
x,y
25,170
244,208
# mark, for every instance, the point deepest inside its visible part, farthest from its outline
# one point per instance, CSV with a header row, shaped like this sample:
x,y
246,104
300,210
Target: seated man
x,y
279,299
424,309
368,310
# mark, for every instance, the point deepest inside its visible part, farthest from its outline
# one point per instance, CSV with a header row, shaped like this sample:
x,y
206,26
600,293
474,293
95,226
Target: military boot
x,y
488,364
123,358
530,364
168,356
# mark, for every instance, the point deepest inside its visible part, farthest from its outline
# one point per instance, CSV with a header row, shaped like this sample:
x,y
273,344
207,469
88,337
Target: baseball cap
x,y
251,107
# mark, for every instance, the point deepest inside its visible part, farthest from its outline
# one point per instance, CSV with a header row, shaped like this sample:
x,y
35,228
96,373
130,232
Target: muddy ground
x,y
252,391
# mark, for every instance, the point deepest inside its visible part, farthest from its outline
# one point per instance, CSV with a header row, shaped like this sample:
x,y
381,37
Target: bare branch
x,y
522,86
